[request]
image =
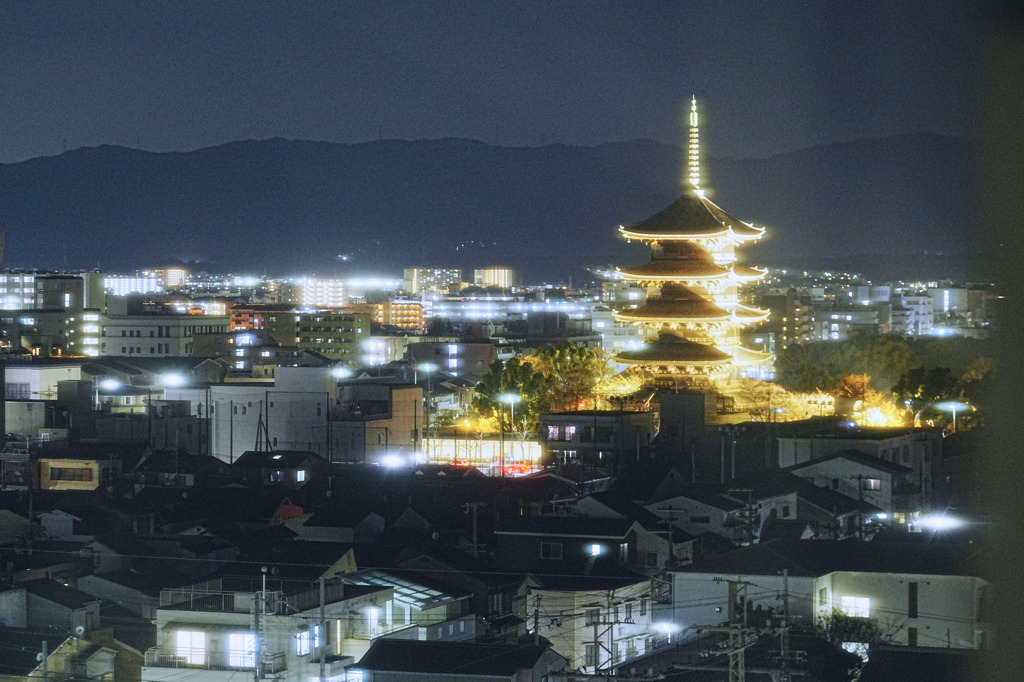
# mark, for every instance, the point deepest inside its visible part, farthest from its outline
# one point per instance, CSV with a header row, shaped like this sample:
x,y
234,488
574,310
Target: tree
x,y
518,378
926,385
838,627
575,372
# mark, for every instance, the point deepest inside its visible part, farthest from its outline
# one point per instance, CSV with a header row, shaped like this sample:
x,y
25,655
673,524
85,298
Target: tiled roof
x,y
858,457
449,658
816,558
691,215
672,348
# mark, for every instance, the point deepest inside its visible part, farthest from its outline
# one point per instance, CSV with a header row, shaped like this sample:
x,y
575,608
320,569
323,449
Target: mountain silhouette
x,y
297,207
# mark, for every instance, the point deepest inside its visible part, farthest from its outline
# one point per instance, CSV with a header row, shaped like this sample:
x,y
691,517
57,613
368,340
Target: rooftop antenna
x,y
693,149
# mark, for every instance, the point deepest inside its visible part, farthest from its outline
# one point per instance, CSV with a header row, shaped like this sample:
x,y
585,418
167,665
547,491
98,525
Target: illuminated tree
x,y
518,378
575,372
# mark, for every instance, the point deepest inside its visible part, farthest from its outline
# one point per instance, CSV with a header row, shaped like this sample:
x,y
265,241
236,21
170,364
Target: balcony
x,y
168,657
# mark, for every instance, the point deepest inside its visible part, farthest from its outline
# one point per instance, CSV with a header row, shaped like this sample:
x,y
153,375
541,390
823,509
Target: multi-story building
x,y
315,293
400,313
255,316
444,281
335,335
155,335
125,285
502,278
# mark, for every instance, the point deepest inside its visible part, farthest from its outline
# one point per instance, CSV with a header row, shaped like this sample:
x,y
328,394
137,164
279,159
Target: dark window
x,y
911,600
551,550
69,474
911,636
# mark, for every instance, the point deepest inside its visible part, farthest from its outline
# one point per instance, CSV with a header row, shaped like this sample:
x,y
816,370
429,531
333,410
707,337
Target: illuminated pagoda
x,y
692,316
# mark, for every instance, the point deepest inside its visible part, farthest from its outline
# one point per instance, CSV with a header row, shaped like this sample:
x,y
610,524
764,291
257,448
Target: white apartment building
x,y
155,335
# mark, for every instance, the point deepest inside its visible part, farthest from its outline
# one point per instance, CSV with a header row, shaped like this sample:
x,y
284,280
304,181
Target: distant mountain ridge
x,y
290,207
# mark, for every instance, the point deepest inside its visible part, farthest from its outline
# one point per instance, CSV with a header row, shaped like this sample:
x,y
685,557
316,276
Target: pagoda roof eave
x,y
674,277
629,233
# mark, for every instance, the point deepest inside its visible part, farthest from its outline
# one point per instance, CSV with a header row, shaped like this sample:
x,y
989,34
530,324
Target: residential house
x,y
394,660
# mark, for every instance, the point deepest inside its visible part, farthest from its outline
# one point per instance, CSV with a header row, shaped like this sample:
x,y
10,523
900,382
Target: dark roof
x,y
857,457
837,427
177,462
815,558
564,526
58,593
673,348
277,459
449,658
897,663
20,648
691,215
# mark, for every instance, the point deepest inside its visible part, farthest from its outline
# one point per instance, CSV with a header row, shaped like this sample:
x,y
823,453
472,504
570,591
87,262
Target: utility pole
x,y
321,637
536,621
466,508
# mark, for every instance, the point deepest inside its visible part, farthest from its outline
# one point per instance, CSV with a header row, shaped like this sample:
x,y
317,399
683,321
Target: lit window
x,y
190,646
595,550
871,484
242,650
300,475
856,607
302,643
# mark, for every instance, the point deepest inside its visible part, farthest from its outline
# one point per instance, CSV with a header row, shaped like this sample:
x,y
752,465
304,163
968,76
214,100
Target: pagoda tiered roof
x,y
672,349
678,260
676,303
691,216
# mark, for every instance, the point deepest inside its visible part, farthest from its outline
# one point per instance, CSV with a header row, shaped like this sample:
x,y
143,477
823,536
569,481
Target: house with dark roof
x,y
47,603
290,468
918,590
73,657
395,660
890,487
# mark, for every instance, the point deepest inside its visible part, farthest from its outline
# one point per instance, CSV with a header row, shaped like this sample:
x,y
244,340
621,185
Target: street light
x,y
510,399
427,368
953,406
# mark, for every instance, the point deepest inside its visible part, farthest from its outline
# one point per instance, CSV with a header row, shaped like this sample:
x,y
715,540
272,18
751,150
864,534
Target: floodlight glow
x,y
509,398
426,367
939,522
882,515
173,379
392,461
110,384
952,406
668,628
341,372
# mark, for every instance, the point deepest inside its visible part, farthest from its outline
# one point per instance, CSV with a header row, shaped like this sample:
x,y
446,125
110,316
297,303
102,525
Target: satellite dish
x,y
79,631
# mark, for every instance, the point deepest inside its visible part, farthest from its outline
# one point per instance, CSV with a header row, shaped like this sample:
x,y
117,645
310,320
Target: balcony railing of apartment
x,y
168,657
191,599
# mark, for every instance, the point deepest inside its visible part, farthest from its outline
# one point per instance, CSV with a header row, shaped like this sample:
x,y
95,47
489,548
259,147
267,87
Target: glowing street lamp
x,y
427,368
953,406
509,399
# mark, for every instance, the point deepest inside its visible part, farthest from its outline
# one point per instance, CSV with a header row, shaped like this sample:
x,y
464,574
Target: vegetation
x,y
888,360
518,378
839,628
575,372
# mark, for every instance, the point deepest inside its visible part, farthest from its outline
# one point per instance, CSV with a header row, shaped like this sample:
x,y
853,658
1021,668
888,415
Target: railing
x,y
158,657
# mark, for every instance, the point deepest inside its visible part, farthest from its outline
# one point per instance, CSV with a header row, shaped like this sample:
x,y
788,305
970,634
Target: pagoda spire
x,y
693,161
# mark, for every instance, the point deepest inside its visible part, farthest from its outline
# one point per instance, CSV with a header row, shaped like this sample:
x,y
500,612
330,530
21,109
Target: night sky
x,y
770,76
